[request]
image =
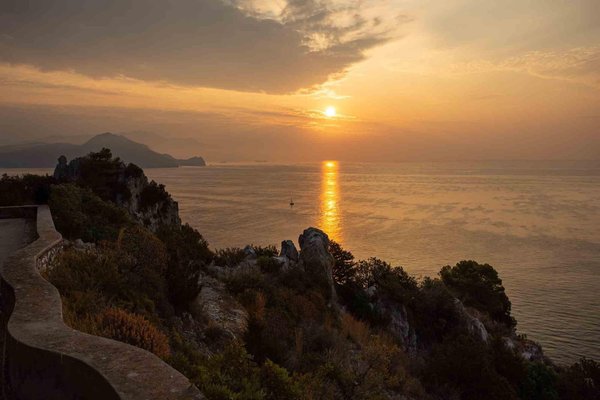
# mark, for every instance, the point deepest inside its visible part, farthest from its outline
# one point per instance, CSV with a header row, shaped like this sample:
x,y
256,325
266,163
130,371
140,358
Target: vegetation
x,y
78,213
389,335
478,286
187,253
153,194
101,173
229,257
23,190
118,324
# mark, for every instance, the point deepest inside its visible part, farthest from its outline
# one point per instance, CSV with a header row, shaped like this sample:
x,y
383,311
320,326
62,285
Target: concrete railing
x,y
42,358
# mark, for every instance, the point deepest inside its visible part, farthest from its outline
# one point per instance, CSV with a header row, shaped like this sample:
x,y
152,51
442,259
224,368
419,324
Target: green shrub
x,y
434,314
188,253
267,251
231,374
80,214
229,257
540,383
143,262
344,270
277,382
463,365
479,286
24,190
580,381
268,264
102,174
153,194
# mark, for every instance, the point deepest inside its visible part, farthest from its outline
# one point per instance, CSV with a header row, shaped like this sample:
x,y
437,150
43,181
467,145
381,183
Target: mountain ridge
x,y
44,155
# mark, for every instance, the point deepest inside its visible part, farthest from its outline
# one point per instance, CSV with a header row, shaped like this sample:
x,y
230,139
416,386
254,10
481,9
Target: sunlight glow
x,y
330,112
329,219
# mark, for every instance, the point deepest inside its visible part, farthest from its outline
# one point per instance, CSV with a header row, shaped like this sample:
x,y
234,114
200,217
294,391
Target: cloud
x,y
581,65
206,43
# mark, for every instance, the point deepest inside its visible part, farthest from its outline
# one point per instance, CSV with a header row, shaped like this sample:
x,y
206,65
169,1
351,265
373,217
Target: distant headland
x,y
44,155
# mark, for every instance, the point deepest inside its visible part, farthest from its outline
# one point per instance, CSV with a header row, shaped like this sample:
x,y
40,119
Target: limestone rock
x,y
147,202
316,259
220,309
399,326
250,252
474,325
288,249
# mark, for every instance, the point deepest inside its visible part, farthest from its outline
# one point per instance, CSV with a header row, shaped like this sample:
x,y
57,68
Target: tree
x,y
479,286
344,268
187,253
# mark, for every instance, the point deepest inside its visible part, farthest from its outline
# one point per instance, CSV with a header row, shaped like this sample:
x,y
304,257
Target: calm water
x,y
537,223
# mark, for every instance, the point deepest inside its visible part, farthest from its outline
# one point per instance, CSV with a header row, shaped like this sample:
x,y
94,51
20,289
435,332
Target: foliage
x,y
133,171
229,257
188,253
463,365
268,264
23,190
102,174
267,251
393,281
478,286
80,214
580,381
153,194
539,383
128,274
118,324
233,374
434,314
344,270
134,285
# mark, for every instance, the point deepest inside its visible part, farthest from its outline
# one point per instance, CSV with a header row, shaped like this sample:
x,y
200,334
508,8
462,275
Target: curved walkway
x,y
42,358
13,236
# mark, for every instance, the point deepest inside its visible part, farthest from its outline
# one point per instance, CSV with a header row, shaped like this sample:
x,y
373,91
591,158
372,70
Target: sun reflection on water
x,y
329,215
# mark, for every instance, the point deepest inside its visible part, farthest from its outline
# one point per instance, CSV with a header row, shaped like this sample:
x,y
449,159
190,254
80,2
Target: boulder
x,y
288,249
250,252
474,325
220,309
316,259
398,325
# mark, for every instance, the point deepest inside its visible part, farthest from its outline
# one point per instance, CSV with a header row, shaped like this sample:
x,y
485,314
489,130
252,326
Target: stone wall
x,y
42,358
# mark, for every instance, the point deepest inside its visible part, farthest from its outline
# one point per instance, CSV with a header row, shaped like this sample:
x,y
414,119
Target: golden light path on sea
x,y
330,197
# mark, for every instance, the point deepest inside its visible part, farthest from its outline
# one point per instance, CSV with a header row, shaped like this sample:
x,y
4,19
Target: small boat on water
x,y
292,202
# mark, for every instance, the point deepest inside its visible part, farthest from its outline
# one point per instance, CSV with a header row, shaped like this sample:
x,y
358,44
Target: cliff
x,y
267,323
125,185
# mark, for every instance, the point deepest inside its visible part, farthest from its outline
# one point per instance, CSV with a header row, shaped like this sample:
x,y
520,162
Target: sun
x,y
330,112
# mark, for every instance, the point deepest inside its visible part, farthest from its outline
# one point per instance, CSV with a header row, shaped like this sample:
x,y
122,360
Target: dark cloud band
x,y
191,42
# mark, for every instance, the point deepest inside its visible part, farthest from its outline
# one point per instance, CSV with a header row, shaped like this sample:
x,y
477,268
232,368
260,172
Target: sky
x,y
410,80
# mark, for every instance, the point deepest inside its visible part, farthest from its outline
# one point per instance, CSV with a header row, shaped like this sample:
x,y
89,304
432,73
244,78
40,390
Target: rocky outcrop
x,y
399,325
527,349
474,325
316,259
250,252
126,185
288,249
220,310
150,204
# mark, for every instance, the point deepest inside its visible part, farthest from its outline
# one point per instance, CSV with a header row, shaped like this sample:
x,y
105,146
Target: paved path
x,y
13,236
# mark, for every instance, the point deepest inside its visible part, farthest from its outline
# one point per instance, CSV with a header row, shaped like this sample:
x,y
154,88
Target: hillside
x,y
269,323
44,155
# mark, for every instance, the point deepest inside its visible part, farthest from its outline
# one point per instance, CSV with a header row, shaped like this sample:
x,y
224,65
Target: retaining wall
x,y
42,358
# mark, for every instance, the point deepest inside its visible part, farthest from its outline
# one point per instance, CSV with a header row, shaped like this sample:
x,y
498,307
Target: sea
x,y
537,223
